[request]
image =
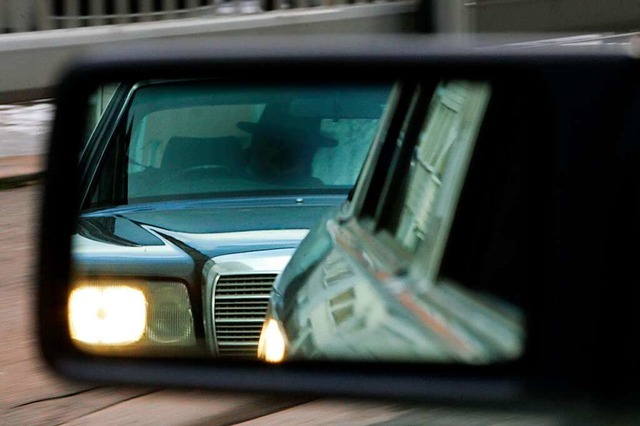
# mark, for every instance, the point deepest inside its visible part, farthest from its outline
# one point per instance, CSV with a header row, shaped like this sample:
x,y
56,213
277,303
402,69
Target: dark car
x,y
438,254
371,293
194,196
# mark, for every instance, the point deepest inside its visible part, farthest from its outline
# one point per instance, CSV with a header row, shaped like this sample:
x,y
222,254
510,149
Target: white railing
x,y
33,15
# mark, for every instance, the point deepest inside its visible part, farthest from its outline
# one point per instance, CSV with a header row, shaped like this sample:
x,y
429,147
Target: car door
x,y
383,287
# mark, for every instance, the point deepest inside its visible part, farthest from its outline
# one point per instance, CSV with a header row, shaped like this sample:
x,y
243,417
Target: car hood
x,y
167,234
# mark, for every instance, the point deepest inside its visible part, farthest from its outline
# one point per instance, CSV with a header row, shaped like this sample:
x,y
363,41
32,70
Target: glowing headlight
x,y
111,315
272,345
119,312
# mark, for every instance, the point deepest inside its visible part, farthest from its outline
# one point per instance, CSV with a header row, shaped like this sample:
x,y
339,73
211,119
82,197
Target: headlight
x,y
110,313
272,346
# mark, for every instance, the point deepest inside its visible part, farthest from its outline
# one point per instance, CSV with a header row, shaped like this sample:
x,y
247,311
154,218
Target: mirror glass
x,y
372,288
195,188
197,193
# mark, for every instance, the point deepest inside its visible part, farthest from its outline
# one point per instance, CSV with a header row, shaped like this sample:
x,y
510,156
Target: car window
x,y
420,210
439,163
329,164
353,294
192,140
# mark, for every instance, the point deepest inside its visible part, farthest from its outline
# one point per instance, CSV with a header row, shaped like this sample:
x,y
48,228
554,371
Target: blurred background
x,y
37,38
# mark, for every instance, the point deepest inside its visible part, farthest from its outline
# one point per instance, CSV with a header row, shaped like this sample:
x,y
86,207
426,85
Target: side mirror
x,y
196,238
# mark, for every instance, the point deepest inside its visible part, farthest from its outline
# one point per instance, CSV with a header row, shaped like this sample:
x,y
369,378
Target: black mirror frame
x,y
272,61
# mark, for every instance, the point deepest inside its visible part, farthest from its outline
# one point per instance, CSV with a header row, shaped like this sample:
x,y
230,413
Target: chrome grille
x,y
239,307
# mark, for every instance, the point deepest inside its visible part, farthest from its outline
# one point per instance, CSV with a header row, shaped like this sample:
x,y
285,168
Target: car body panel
x,y
375,292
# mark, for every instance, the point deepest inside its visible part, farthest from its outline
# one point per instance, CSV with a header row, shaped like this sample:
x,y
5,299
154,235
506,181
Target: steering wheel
x,y
205,171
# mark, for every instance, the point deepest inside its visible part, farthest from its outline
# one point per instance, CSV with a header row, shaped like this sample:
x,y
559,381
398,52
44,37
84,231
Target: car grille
x,y
239,308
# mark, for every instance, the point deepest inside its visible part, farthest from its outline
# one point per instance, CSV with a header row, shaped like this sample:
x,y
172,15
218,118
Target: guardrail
x,y
34,15
31,61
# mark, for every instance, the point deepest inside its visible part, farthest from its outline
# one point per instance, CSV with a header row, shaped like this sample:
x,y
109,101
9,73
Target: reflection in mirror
x,y
195,194
213,223
371,288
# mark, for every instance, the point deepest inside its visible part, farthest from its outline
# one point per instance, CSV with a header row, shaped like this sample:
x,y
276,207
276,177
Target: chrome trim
x,y
82,246
237,238
266,262
240,321
119,116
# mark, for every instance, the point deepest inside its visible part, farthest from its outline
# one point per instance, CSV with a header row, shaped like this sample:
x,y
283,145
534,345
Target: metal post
x,y
71,11
191,5
97,7
43,12
450,16
146,7
169,5
425,17
122,8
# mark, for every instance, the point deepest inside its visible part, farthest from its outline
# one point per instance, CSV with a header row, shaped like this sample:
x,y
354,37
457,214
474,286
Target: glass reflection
x,y
370,288
215,222
195,196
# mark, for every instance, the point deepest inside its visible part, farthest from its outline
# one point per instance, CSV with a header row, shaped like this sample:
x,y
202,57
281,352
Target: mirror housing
x,y
588,96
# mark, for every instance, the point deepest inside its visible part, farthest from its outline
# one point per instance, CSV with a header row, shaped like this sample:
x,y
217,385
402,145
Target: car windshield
x,y
193,140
